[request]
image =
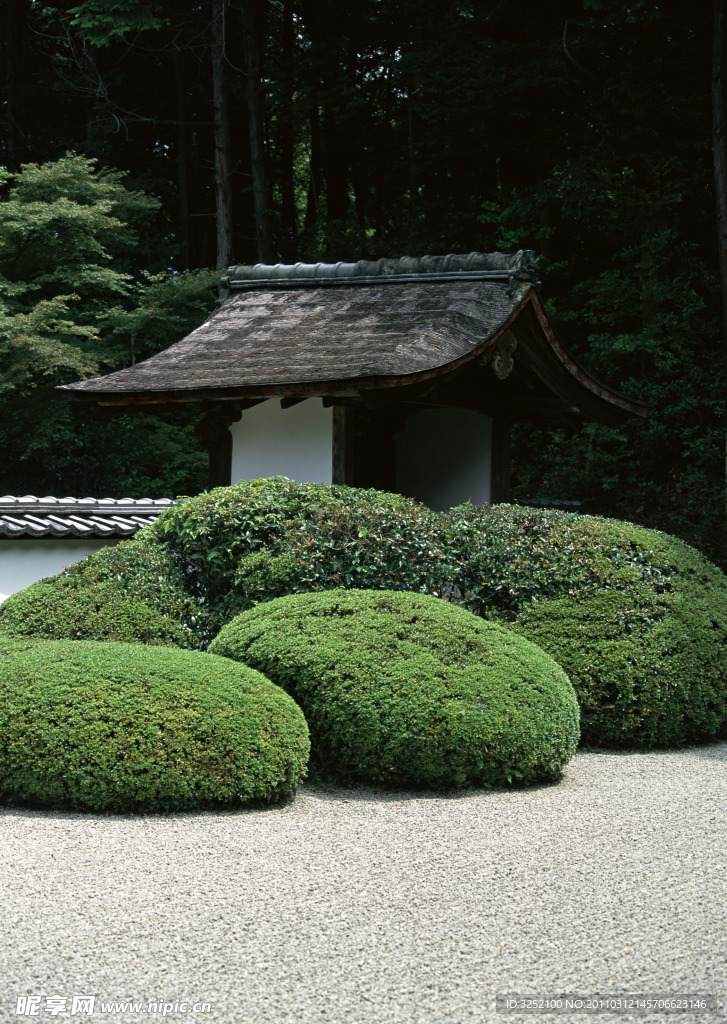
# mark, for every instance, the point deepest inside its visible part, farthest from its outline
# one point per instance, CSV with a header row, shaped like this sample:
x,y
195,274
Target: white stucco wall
x,y
444,458
23,561
295,442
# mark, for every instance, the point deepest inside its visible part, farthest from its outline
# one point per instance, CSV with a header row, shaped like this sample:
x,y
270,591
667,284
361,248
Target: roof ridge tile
x,y
520,265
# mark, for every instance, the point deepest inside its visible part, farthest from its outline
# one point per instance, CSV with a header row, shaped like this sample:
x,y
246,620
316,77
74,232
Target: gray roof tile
x,y
315,323
28,516
353,330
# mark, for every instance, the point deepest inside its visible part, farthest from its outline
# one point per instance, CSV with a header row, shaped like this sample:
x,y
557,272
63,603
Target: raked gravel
x,y
362,907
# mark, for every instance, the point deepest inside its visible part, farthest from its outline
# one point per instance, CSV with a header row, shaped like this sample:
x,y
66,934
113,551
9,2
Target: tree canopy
x,y
74,303
285,130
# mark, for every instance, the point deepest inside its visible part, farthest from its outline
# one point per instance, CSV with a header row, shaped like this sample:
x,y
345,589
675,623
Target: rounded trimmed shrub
x,y
50,610
638,619
503,557
648,673
128,592
408,688
265,538
124,727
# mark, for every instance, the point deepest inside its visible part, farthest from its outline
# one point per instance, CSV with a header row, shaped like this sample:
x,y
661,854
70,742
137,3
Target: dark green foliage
x,y
405,688
101,21
506,556
647,675
623,214
122,727
264,538
209,534
638,619
131,455
365,539
75,302
130,592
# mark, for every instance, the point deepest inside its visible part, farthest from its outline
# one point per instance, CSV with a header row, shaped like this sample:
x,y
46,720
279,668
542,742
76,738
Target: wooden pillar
x,y
214,433
500,483
343,441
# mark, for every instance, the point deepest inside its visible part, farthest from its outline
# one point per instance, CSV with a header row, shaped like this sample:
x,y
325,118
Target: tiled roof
x,y
426,330
77,517
313,324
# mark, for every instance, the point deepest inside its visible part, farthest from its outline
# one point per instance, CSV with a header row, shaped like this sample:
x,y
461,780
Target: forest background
x,y
148,143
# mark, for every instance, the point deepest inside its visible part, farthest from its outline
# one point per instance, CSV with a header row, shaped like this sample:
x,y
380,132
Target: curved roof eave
x,y
576,373
527,321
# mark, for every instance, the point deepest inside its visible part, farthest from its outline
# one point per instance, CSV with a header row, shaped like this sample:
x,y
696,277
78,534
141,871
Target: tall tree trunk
x,y
334,72
719,153
335,162
14,16
182,162
325,23
412,141
221,117
252,22
719,149
315,176
287,138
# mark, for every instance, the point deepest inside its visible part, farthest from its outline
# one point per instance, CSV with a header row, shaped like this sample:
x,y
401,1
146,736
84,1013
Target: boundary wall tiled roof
x,y
29,516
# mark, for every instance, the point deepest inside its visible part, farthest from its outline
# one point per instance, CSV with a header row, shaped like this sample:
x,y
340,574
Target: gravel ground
x,y
360,907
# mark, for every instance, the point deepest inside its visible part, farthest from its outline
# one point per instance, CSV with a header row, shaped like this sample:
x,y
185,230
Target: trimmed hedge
x,y
637,618
649,673
129,592
124,727
656,681
264,538
504,557
405,687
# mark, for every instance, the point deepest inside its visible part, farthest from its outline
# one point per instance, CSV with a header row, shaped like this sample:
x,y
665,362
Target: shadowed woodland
x,y
148,144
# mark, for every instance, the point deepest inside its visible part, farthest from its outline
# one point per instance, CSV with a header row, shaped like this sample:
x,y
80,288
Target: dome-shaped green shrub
x,y
50,610
503,557
648,672
265,538
405,687
637,618
124,727
129,592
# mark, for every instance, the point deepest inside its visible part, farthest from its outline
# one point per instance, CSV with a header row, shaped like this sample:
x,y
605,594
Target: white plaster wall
x,y
23,561
444,458
295,442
